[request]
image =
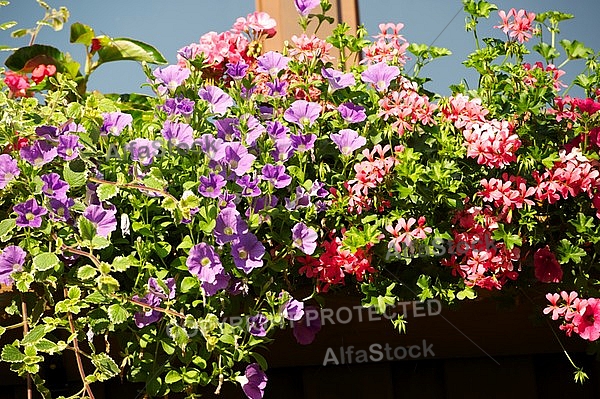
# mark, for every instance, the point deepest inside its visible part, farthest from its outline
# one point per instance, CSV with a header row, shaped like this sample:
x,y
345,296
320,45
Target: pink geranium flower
x,y
587,325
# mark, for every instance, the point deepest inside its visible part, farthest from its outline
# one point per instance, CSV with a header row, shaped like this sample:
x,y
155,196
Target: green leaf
x,y
12,354
87,230
86,272
188,283
106,368
568,252
576,49
74,292
122,263
179,335
106,191
172,377
262,362
128,49
36,334
81,33
2,330
8,25
6,226
75,179
39,385
117,313
27,58
45,261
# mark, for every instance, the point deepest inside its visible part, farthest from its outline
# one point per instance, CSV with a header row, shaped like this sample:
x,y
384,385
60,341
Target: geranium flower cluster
x,y
517,24
19,83
389,47
580,316
475,255
335,263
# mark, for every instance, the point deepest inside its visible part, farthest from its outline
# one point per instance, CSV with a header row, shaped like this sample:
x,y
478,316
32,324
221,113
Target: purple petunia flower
x,y
211,185
204,263
303,142
61,209
218,100
337,79
237,71
301,200
380,75
352,113
249,186
29,213
257,325
54,187
304,6
292,310
227,200
178,106
49,133
70,127
11,260
302,113
213,147
68,147
276,129
247,252
283,150
238,158
143,150
318,189
178,135
272,63
306,329
348,141
277,88
252,127
304,238
227,129
104,220
170,78
154,298
229,226
38,153
253,382
115,122
8,170
275,174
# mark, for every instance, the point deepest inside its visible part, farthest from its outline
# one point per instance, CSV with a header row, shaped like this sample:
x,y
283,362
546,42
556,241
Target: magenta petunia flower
x,y
348,141
115,122
253,382
29,213
204,263
272,63
8,170
39,153
304,6
104,220
247,252
54,187
218,100
275,174
380,75
68,146
337,79
11,260
304,238
352,113
211,185
178,135
170,78
229,226
302,113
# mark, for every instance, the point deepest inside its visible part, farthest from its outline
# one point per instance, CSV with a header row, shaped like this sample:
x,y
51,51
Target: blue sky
x,y
171,25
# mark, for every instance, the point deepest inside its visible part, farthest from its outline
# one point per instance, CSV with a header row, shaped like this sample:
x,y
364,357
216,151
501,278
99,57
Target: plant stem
x,y
25,331
87,387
